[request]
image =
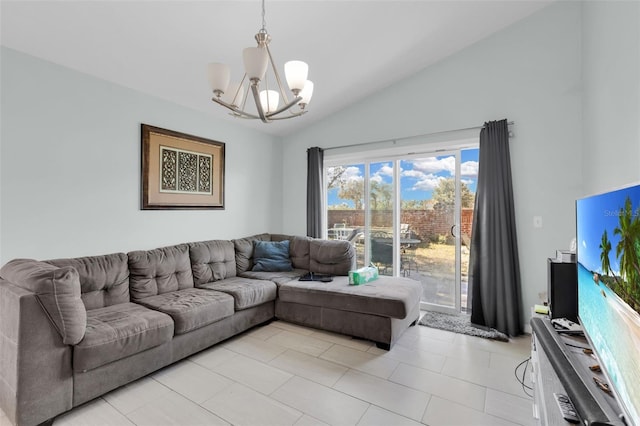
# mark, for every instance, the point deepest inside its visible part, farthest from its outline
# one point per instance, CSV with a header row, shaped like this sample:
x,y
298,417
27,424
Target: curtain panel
x,y
494,264
315,185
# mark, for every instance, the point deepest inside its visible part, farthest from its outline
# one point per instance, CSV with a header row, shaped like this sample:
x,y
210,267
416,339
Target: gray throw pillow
x,y
271,256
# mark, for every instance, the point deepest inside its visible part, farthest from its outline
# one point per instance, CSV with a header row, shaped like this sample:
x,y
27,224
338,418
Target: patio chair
x,y
381,254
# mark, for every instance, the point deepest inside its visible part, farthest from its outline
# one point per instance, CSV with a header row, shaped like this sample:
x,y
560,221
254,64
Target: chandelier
x,y
257,61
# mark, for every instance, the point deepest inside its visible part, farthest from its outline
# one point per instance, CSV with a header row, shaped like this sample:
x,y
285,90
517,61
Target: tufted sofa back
x,y
212,260
104,280
244,251
158,271
335,257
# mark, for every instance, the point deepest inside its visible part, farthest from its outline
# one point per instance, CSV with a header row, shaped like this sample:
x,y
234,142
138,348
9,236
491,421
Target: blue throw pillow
x,y
271,256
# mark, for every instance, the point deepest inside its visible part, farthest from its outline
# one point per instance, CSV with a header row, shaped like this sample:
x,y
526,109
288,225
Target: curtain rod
x,y
509,123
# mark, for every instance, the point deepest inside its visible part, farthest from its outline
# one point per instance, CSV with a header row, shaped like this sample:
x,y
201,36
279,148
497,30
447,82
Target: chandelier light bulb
x,y
219,76
269,100
306,93
296,74
256,60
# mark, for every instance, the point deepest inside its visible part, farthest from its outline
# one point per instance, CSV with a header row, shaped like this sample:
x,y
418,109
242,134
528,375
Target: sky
x,y
418,176
596,214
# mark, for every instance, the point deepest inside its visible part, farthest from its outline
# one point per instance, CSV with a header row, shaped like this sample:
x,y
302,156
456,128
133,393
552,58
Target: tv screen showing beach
x,y
608,238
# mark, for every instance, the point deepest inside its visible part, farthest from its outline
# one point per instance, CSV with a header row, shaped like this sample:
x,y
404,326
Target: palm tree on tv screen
x,y
628,230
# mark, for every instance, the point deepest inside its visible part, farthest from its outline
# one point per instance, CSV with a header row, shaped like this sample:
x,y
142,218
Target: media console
x,y
560,365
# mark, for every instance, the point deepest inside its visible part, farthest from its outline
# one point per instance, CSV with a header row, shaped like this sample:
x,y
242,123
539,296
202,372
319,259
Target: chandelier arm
x,y
256,97
283,93
295,114
246,94
234,110
285,107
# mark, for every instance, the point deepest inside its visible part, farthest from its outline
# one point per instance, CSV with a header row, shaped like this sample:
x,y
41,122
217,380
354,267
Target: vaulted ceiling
x,y
161,48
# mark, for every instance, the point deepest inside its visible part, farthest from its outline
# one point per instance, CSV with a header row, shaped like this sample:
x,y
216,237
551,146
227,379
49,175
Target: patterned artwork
x,y
185,172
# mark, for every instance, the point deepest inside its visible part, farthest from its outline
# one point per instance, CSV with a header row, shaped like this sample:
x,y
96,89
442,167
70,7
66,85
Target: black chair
x,y
381,254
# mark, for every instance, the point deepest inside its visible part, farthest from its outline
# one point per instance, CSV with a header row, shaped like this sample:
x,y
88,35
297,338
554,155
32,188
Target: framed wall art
x,y
181,171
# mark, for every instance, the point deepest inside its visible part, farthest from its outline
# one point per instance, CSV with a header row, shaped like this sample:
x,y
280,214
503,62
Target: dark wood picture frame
x,y
181,171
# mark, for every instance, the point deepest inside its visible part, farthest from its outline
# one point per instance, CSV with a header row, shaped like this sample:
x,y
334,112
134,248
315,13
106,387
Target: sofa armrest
x,y
36,381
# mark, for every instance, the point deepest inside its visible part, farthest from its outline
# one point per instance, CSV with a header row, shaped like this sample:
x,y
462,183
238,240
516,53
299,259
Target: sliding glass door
x,y
411,216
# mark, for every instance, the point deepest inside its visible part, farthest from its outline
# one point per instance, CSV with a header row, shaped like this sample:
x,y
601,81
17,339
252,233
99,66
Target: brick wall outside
x,y
427,225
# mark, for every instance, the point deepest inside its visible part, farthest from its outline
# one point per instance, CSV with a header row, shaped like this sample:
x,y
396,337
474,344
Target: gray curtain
x,y
315,166
494,265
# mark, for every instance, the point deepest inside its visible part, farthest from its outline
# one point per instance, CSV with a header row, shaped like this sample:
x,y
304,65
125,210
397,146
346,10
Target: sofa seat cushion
x,y
392,297
117,331
276,277
246,292
191,308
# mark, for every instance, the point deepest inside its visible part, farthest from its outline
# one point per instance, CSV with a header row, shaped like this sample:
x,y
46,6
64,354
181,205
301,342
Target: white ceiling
x,y
161,48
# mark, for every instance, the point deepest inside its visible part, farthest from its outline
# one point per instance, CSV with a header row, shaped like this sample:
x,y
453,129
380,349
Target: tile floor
x,y
284,374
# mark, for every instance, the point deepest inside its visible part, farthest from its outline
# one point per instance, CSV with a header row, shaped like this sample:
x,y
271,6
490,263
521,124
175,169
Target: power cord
x,y
525,387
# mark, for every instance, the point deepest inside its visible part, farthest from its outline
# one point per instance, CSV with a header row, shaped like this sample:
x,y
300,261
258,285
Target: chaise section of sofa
x,y
379,311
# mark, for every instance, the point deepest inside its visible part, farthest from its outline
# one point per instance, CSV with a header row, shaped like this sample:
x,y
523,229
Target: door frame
x,y
395,155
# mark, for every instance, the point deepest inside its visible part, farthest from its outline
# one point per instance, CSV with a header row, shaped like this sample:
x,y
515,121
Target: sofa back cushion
x,y
334,257
159,271
298,249
104,280
244,251
57,290
212,261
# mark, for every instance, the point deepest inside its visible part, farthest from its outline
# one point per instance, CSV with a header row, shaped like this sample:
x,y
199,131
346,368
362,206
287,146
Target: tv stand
x,y
561,366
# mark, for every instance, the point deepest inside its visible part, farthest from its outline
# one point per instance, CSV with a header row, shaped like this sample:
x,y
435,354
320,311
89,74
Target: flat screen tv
x,y
608,253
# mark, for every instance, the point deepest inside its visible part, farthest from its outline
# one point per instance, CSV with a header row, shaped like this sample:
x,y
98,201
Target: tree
x,y
629,231
380,195
352,190
348,189
336,177
605,247
444,194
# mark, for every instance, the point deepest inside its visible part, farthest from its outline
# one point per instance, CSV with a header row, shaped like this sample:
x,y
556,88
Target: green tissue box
x,y
363,275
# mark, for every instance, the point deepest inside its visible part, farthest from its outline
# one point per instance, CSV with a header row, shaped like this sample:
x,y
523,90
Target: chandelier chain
x,y
264,22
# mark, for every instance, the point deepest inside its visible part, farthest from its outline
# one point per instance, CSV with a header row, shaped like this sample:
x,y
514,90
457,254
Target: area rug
x,y
460,324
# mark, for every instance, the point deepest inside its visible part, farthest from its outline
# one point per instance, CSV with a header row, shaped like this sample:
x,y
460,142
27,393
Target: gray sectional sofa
x,y
74,329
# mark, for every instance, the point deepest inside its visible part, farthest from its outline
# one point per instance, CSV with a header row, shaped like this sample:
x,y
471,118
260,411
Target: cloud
x,y
469,168
386,170
414,174
427,183
349,174
376,178
435,165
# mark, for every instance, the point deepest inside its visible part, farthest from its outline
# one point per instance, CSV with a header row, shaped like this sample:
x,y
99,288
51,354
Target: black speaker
x,y
562,289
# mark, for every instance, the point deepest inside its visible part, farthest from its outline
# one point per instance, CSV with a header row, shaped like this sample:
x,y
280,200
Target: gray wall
x,y
611,99
70,168
529,73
